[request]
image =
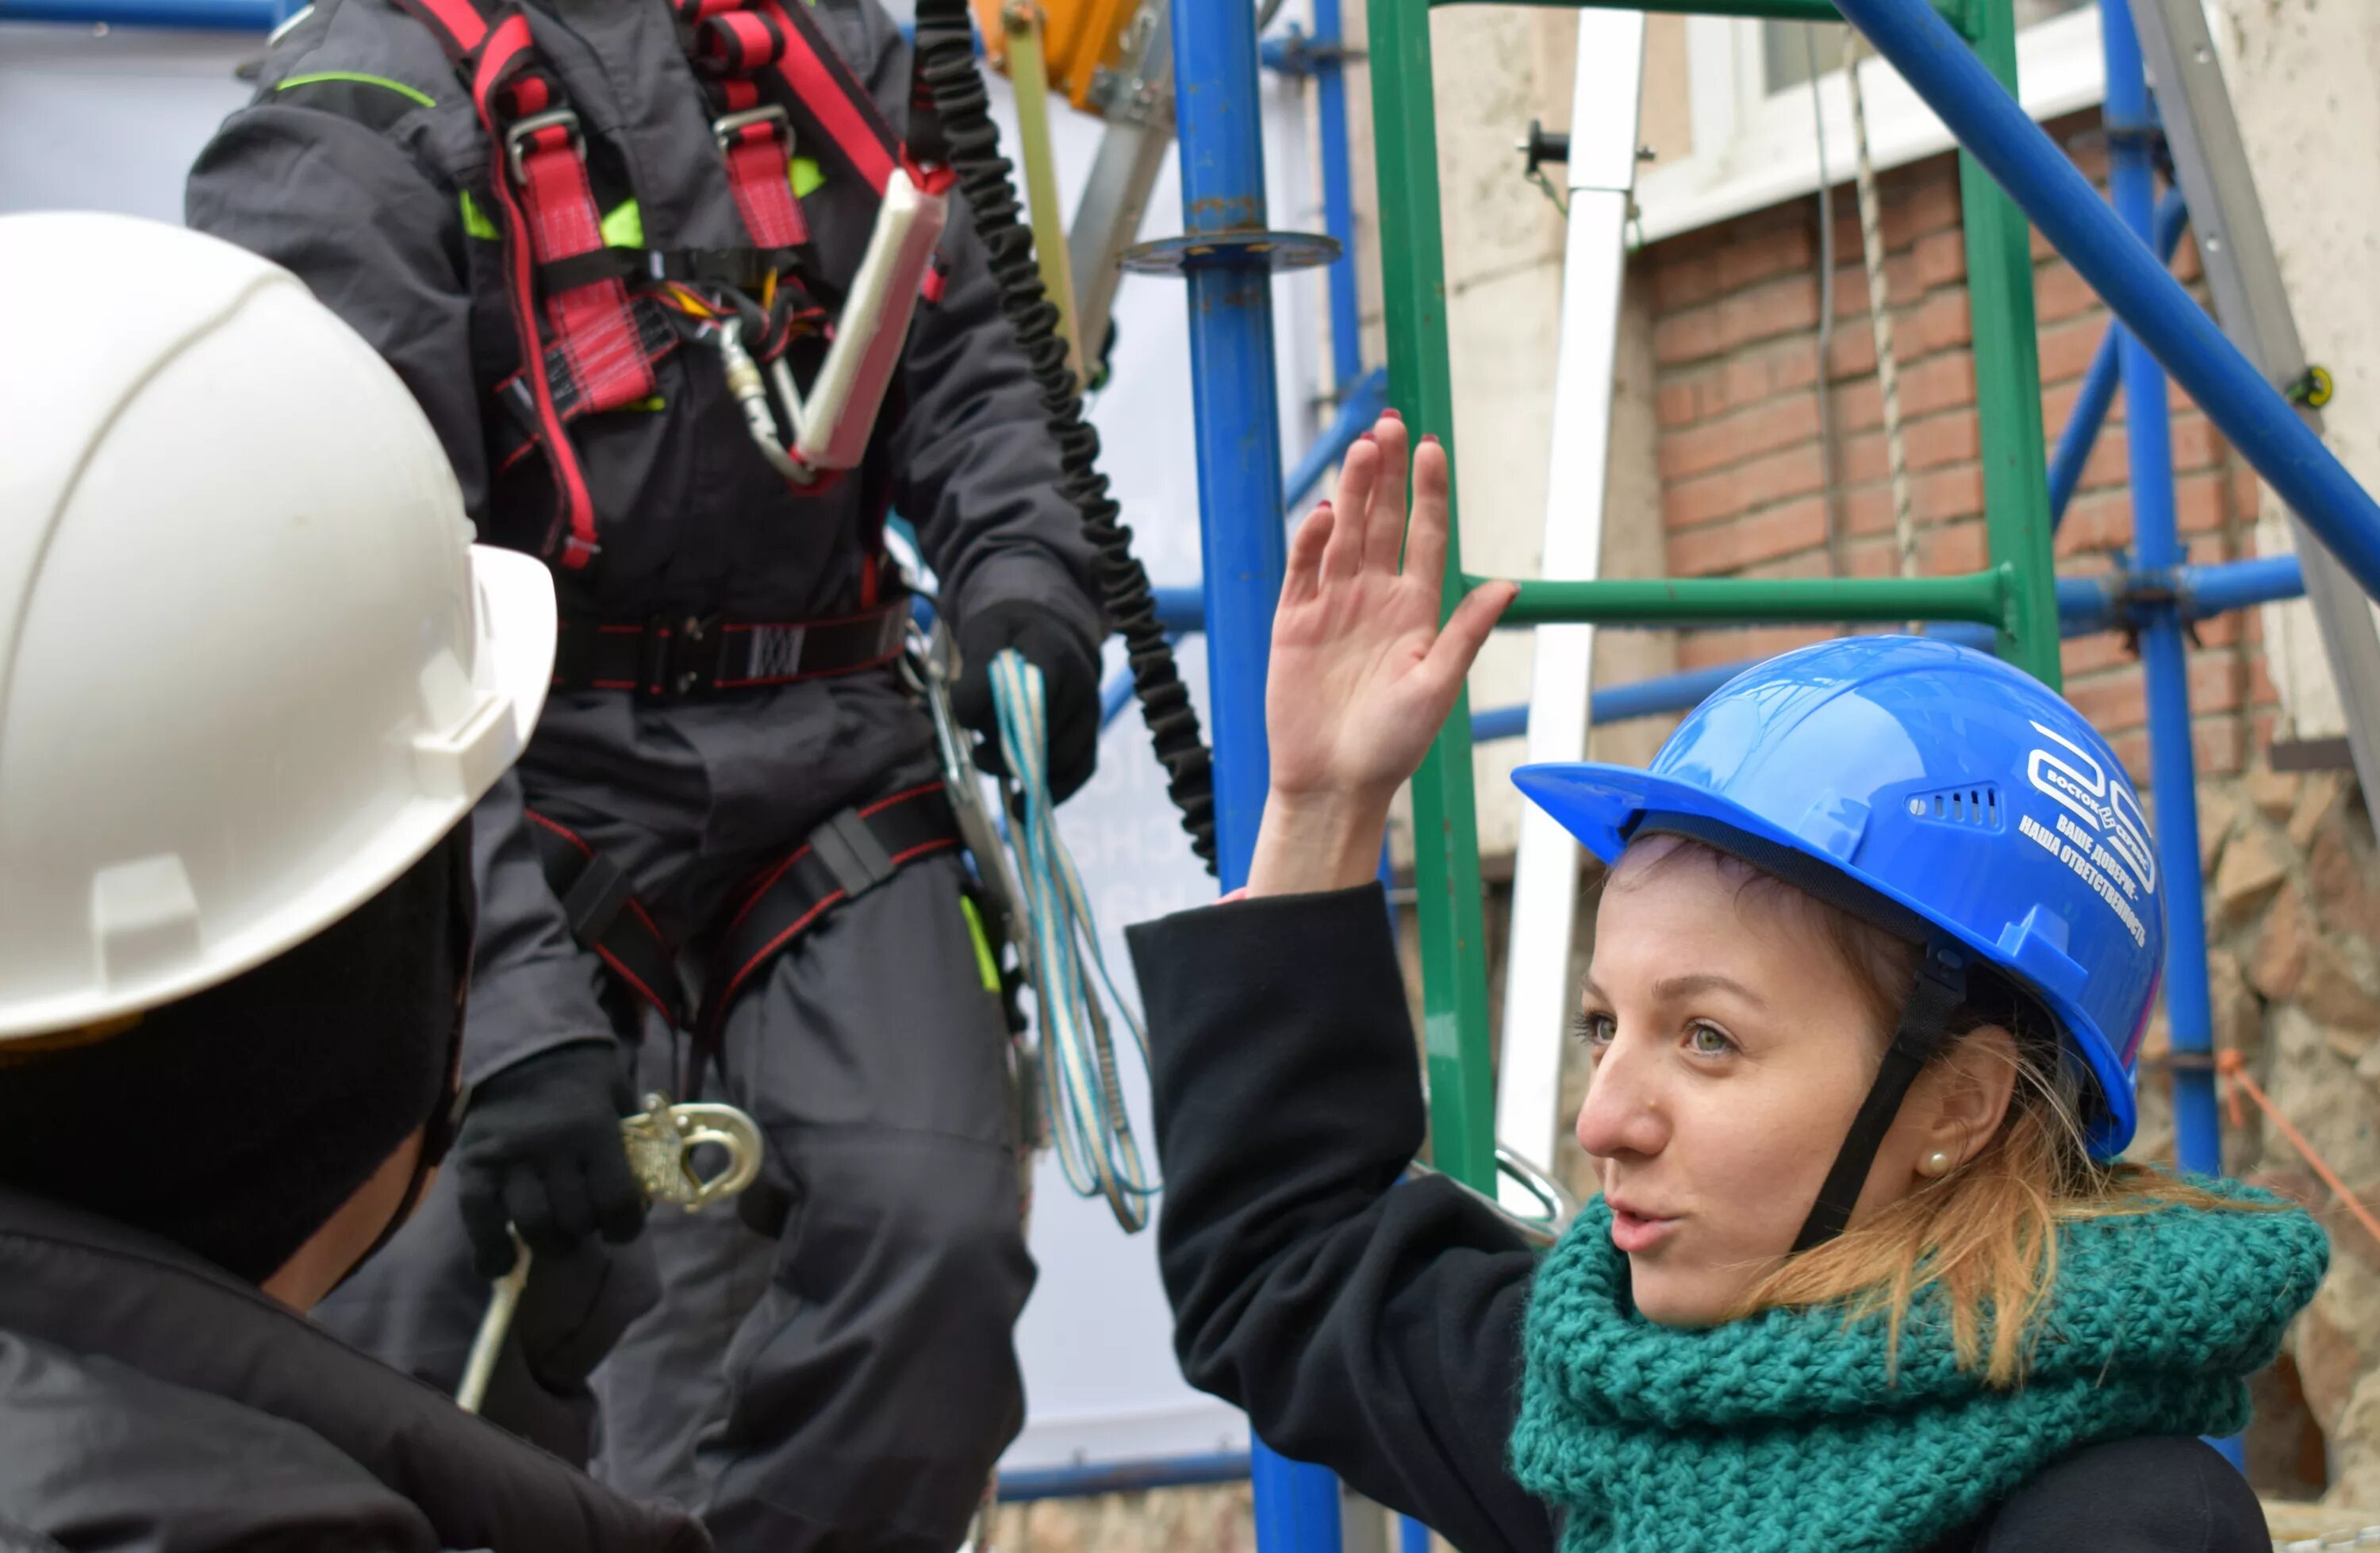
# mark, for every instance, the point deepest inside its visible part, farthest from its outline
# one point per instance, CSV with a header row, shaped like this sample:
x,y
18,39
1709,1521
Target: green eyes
x,y
1702,1040
1708,1040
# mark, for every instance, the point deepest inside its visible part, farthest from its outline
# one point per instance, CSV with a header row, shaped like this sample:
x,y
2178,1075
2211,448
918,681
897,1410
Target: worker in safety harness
x,y
688,296
238,923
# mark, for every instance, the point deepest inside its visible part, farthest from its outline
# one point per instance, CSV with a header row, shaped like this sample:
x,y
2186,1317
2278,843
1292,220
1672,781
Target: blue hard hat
x,y
1963,792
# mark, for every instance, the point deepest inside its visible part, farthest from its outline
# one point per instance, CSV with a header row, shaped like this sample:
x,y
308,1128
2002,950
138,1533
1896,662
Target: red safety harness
x,y
769,75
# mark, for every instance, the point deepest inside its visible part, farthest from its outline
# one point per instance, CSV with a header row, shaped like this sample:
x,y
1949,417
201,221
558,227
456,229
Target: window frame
x,y
1752,149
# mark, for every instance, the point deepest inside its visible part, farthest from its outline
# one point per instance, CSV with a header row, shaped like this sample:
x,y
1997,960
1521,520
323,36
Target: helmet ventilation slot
x,y
1974,806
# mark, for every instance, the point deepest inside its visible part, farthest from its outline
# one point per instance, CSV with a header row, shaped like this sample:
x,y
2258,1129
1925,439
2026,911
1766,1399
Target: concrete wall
x,y
2304,76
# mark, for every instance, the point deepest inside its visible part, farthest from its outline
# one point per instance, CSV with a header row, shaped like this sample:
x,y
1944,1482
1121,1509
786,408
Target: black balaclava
x,y
237,1122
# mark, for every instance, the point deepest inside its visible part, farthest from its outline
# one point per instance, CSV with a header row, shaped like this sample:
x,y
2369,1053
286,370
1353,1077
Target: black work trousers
x,y
848,1381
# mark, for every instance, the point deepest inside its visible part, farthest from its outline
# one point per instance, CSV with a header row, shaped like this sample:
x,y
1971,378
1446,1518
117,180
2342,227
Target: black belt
x,y
699,655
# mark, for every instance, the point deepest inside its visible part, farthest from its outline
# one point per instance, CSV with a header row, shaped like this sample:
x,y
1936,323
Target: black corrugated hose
x,y
946,69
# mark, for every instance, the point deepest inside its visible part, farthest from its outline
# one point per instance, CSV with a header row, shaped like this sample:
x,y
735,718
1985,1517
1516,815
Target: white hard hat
x,y
251,666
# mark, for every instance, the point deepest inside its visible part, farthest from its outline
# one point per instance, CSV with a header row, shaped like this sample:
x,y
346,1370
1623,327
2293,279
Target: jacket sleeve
x,y
376,239
974,467
1370,1326
2158,1494
344,206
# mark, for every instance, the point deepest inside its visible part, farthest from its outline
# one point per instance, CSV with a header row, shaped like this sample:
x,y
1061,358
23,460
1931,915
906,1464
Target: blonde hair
x,y
1985,1235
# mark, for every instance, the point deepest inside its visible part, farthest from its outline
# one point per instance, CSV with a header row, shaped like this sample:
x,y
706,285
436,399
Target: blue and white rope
x,y
1082,1093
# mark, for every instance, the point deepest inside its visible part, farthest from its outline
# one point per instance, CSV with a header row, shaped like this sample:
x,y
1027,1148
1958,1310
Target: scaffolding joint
x,y
1295,53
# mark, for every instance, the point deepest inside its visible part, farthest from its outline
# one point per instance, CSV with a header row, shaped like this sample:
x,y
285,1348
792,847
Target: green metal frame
x,y
1957,13
2016,594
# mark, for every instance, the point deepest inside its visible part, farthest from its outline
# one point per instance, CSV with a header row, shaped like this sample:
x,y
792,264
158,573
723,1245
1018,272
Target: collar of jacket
x,y
1797,1428
99,1289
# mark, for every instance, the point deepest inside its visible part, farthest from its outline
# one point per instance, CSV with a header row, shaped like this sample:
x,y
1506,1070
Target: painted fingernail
x,y
1367,437
1429,436
1391,415
1321,507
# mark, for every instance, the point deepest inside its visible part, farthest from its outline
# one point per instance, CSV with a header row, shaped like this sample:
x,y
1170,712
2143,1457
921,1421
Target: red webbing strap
x,y
759,164
457,24
507,48
549,214
830,106
591,321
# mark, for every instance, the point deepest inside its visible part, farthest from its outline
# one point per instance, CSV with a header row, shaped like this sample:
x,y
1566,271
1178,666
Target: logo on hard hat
x,y
2101,836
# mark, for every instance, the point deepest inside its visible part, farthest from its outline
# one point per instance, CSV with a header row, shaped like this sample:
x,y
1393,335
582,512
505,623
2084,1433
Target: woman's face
x,y
1732,1043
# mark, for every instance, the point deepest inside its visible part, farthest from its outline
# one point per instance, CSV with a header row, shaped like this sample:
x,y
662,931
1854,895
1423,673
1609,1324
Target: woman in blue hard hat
x,y
1880,931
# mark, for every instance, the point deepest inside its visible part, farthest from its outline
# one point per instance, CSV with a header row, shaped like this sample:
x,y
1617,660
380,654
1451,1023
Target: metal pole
x,y
1338,195
1131,156
2173,777
1242,543
1232,379
1539,995
1029,70
2083,423
211,15
1446,838
2118,264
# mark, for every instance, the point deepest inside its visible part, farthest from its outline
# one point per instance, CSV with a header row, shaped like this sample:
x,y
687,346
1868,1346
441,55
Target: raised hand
x,y
1362,675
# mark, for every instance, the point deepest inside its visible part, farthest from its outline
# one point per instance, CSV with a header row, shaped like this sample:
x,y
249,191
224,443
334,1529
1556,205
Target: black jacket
x,y
150,1403
1374,1328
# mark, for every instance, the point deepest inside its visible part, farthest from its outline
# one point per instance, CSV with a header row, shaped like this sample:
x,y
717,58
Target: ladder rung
x,y
1955,12
1979,596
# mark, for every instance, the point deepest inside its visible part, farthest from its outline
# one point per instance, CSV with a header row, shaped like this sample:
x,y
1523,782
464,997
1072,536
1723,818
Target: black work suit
x,y
851,1384
1374,1328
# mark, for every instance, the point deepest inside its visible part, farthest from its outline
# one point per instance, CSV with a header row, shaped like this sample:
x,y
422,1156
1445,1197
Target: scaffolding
x,y
1960,57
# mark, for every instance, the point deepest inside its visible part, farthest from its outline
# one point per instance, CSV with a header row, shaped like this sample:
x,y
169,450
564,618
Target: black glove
x,y
1069,681
540,1149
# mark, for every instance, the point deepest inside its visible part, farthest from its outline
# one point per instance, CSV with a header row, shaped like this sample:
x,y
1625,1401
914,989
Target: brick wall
x,y
1744,476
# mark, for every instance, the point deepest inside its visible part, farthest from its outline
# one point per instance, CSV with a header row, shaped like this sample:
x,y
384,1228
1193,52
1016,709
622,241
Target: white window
x,y
1755,139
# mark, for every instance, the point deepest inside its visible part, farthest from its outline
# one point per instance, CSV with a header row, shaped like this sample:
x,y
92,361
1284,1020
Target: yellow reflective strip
x,y
476,222
650,402
803,174
402,90
625,227
986,964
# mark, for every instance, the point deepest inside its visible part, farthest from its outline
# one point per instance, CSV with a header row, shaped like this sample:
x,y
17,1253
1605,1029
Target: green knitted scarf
x,y
1782,1431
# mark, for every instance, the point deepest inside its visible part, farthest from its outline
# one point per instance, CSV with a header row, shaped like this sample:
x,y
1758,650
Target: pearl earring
x,y
1936,1164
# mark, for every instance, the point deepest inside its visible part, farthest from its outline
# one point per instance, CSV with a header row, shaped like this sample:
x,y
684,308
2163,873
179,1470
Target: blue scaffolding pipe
x,y
1123,1477
1244,543
1337,200
1359,406
2118,264
2090,411
2173,777
200,16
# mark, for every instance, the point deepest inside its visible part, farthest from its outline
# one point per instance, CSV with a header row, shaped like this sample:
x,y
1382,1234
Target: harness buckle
x,y
727,127
517,134
679,658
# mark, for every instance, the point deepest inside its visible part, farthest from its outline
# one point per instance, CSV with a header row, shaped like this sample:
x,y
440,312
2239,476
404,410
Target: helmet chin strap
x,y
1941,986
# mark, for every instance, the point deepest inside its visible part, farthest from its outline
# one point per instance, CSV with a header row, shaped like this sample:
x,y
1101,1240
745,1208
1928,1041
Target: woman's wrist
x,y
1316,841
